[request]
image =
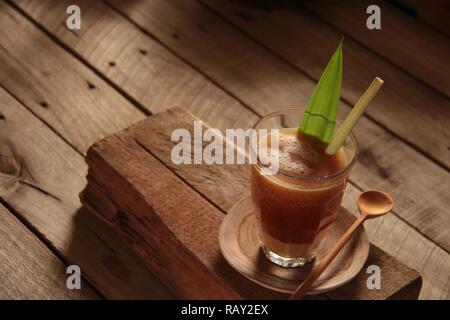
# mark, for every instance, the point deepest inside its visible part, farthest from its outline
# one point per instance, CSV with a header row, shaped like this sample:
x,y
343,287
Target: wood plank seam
x,y
391,132
159,150
184,60
406,221
108,151
46,243
370,118
325,294
193,187
142,222
69,50
384,58
404,29
243,30
177,175
136,103
33,230
219,86
48,125
423,157
435,160
145,284
26,223
154,37
28,269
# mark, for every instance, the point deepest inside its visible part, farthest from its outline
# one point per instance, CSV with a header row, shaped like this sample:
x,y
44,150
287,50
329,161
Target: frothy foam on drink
x,y
297,156
300,155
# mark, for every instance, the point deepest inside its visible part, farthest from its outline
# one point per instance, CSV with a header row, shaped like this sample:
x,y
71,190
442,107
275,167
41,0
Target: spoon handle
x,y
317,271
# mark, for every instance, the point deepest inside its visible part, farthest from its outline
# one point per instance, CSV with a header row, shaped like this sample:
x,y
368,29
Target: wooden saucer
x,y
240,246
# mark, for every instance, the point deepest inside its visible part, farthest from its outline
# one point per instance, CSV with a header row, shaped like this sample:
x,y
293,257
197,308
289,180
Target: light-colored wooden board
x,y
307,42
57,214
401,39
120,168
144,69
28,269
211,100
266,83
55,85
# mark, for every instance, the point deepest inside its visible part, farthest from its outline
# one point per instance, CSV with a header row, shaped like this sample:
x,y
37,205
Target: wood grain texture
x,y
55,85
435,16
241,247
376,171
295,34
179,227
388,232
380,168
397,238
411,45
121,166
266,83
139,65
80,116
28,269
209,102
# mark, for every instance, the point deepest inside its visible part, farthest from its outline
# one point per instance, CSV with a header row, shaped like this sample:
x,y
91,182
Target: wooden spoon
x,y
371,204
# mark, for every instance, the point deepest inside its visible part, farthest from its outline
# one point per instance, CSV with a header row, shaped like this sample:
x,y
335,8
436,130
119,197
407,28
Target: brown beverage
x,y
298,204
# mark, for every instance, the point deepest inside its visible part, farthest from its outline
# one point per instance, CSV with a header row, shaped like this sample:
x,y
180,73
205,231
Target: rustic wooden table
x,y
228,64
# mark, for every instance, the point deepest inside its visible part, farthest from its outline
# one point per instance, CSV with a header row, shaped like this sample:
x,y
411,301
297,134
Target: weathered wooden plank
x,y
385,164
307,43
121,167
56,86
401,39
28,269
266,83
389,232
177,226
112,276
57,215
140,66
407,245
380,168
210,99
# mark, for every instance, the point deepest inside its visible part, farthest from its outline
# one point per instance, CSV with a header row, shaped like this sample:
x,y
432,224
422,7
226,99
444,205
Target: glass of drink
x,y
298,204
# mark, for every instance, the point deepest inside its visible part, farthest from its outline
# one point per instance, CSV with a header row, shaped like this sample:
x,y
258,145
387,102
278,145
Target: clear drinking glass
x,y
294,210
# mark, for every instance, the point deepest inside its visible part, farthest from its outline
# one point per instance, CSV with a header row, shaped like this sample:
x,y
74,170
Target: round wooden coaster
x,y
240,246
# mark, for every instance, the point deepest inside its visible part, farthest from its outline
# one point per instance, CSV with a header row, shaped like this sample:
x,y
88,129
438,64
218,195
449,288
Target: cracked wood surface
x,y
163,67
177,207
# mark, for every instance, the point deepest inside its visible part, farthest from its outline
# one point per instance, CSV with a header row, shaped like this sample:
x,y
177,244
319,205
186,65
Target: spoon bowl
x,y
375,203
371,204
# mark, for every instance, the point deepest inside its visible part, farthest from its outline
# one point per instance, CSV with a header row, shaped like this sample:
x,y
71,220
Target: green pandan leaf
x,y
320,115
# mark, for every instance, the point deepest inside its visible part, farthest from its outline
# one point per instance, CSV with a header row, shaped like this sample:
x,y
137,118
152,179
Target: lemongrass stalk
x,y
355,114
